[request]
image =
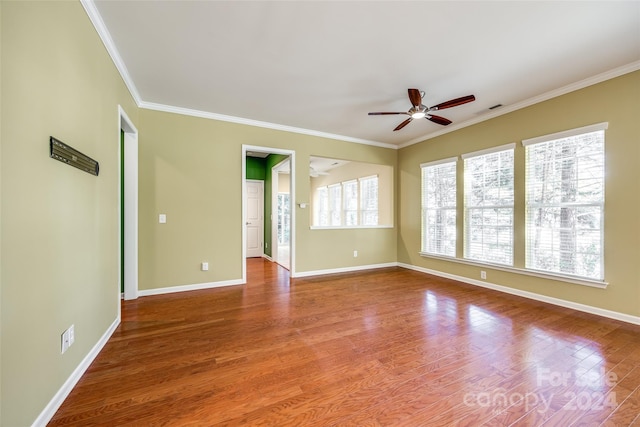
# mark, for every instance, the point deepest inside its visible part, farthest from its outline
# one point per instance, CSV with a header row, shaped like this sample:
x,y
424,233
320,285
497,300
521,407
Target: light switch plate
x,y
162,218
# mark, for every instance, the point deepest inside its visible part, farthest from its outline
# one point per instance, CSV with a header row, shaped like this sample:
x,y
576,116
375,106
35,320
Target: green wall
x,y
256,168
616,101
59,229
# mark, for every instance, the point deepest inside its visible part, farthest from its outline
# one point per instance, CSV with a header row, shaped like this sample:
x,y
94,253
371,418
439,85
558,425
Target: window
x,y
439,207
347,204
284,219
488,205
335,204
565,202
322,206
350,191
369,200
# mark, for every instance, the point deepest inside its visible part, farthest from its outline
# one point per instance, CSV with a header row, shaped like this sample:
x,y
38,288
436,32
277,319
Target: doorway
x,y
281,213
128,140
271,215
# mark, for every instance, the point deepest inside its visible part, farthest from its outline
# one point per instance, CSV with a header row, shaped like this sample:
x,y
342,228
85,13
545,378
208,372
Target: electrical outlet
x,y
355,254
205,266
67,338
483,275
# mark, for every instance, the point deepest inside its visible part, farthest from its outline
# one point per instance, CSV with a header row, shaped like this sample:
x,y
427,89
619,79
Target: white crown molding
x,y
530,295
101,28
257,123
98,23
599,78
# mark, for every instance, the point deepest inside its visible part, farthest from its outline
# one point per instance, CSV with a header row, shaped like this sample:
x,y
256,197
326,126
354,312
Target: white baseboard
x,y
342,270
194,287
54,404
267,257
531,295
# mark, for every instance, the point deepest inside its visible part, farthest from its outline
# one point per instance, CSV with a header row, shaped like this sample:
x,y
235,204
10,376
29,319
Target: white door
x,y
255,214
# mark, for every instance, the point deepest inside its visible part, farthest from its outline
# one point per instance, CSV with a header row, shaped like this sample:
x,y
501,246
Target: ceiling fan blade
x,y
454,102
415,97
384,113
439,120
403,124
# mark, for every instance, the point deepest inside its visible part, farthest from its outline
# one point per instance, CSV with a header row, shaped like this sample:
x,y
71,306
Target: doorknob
x,y
247,223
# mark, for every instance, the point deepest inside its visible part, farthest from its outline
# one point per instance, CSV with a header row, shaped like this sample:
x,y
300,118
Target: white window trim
x,y
344,227
465,209
566,133
552,137
505,147
453,160
438,162
524,271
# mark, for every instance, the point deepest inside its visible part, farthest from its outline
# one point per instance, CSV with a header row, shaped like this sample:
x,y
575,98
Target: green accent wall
x,y
255,167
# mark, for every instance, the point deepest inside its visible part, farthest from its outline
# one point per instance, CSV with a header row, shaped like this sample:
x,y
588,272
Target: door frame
x,y
130,244
274,202
292,158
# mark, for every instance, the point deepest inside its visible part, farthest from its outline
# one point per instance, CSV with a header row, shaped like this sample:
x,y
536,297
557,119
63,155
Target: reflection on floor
x,y
283,256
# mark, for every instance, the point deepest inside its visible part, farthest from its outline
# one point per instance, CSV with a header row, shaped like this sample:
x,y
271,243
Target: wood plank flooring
x,y
388,347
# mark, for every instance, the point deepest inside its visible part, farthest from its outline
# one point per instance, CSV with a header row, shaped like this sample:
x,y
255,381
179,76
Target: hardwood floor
x,y
389,347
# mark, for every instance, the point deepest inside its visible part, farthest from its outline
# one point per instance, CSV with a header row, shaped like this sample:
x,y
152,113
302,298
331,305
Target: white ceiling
x,y
320,66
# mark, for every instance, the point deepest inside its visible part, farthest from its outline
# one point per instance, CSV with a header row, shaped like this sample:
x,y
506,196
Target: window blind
x,y
369,200
439,207
350,196
335,204
322,206
488,206
565,203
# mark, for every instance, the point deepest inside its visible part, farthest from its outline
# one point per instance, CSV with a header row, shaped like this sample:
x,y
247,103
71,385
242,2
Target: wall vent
x,y
62,152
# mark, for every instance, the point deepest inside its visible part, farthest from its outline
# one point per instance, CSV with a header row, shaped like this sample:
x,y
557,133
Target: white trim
x,y
439,162
131,204
530,295
367,177
345,227
54,404
343,270
261,124
491,150
292,191
527,272
275,185
566,133
267,257
103,33
194,287
599,78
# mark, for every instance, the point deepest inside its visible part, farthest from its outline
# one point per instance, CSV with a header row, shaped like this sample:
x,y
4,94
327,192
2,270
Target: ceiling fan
x,y
419,111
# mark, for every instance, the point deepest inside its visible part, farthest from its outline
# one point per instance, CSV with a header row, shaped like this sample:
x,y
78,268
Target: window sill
x,y
342,227
601,284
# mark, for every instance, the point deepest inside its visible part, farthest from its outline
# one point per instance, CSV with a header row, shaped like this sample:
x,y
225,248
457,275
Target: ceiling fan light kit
x,y
420,111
